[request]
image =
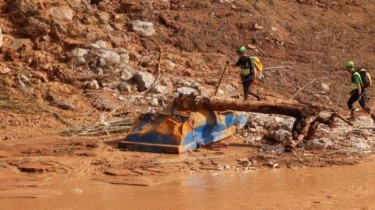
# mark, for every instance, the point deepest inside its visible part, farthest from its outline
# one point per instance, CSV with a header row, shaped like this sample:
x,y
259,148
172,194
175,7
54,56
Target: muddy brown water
x,y
340,187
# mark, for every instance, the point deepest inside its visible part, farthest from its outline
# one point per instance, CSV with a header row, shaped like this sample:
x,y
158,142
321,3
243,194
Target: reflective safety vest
x,y
354,85
245,71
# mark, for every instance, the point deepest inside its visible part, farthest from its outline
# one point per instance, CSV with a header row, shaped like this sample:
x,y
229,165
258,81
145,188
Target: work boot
x,y
352,116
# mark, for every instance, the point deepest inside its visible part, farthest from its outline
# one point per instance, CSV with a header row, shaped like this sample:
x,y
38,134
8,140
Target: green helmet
x,y
349,64
241,50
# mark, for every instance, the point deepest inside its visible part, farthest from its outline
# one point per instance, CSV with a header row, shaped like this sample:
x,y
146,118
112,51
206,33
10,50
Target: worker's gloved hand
x,y
255,81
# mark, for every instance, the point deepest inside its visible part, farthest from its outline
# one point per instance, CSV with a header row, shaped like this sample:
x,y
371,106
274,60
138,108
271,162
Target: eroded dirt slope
x,y
45,88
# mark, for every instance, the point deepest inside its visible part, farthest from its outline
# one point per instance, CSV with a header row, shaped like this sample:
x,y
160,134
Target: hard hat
x,y
349,64
241,50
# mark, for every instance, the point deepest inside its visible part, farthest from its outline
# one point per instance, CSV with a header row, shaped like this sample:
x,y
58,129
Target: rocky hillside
x,y
73,62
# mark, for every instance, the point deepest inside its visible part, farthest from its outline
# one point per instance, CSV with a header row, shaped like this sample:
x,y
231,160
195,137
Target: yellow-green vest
x,y
245,71
355,86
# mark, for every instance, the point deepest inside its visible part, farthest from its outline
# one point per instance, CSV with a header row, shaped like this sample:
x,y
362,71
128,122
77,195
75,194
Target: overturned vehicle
x,y
178,132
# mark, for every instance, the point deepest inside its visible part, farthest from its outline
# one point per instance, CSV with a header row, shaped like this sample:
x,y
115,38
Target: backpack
x,y
365,77
259,66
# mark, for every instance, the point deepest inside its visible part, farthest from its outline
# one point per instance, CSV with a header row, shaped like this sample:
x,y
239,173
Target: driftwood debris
x,y
306,114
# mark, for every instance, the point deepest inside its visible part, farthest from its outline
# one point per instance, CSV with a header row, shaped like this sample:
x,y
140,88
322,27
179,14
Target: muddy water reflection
x,y
344,187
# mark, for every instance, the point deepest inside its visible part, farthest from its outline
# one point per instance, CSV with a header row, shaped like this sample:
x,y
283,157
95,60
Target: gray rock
x,y
321,143
144,80
361,145
230,91
188,83
143,28
124,58
271,148
280,135
102,44
187,91
279,119
253,140
92,85
170,64
79,55
364,118
126,75
153,102
62,13
124,87
103,16
110,57
106,27
103,104
159,89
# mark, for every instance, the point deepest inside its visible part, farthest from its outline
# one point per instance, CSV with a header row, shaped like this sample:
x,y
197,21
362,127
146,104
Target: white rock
x,y
126,75
154,102
144,80
143,28
5,70
62,13
102,44
110,57
187,90
326,87
80,52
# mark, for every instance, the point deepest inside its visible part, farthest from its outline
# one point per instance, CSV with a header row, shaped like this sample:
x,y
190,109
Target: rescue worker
x,y
358,92
247,74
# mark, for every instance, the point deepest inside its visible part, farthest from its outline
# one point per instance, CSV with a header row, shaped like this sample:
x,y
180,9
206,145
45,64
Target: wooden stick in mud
x,y
222,75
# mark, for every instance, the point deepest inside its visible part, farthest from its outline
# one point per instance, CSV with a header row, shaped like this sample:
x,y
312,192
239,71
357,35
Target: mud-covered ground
x,y
46,89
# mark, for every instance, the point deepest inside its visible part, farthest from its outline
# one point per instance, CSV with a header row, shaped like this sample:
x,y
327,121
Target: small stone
x,y
252,47
4,70
258,27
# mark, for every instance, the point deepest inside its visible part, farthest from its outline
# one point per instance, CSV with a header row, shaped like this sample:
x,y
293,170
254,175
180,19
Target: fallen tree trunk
x,y
306,114
291,109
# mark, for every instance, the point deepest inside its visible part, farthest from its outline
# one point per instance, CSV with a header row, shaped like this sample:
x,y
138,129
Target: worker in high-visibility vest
x,y
248,72
358,92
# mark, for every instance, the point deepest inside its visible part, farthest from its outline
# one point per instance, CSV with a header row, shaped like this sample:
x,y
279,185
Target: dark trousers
x,y
246,87
246,84
361,98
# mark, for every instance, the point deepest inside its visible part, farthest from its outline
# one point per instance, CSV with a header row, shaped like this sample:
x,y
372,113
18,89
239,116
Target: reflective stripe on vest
x,y
245,71
355,86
